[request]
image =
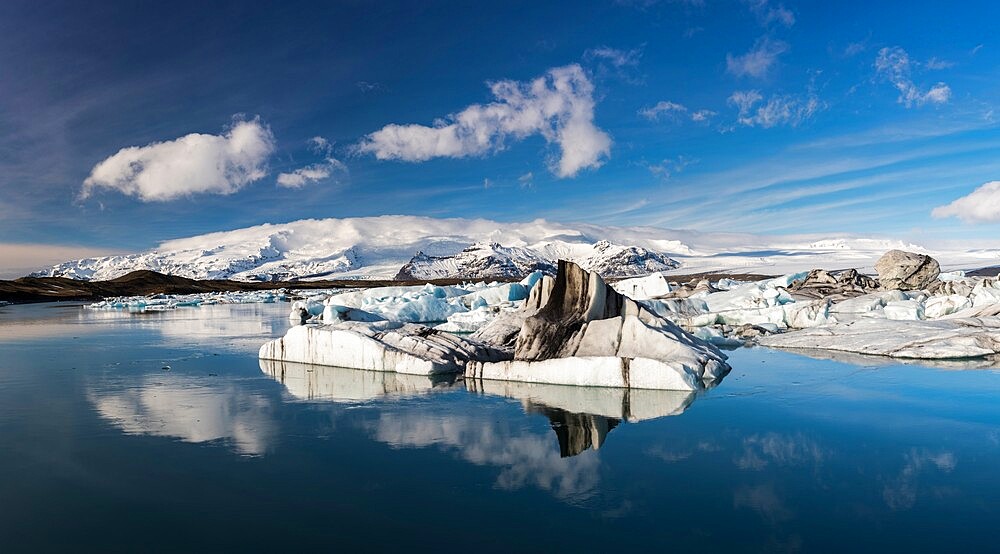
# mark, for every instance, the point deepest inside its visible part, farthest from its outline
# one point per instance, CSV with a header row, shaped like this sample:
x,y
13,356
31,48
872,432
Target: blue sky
x,y
758,116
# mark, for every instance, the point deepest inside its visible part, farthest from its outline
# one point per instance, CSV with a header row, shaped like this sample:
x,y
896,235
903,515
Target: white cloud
x,y
894,65
313,173
527,180
778,110
559,106
193,164
768,13
617,58
980,206
758,61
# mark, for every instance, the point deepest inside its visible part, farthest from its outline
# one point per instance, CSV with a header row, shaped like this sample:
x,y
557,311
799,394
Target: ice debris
x,y
162,302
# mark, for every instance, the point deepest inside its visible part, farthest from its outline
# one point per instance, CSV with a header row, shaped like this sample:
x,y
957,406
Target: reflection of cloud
x,y
671,455
170,406
764,500
901,492
527,459
782,450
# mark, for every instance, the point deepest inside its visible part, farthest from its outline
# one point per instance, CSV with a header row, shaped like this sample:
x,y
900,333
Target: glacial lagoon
x,y
164,432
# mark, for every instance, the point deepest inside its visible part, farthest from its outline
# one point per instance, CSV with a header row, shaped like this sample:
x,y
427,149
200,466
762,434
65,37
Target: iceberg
x,y
651,286
582,332
942,339
380,346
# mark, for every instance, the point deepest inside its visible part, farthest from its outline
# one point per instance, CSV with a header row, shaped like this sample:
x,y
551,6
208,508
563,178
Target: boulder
x,y
899,270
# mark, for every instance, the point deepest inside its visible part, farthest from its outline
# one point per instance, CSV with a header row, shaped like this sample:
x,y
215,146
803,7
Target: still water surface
x,y
163,432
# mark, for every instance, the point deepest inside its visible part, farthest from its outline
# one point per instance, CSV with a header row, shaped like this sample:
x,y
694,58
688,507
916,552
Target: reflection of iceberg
x,y
170,406
314,382
577,432
626,404
582,417
485,438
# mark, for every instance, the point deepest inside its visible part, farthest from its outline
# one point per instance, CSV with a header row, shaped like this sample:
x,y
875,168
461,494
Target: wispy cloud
x,y
702,115
669,167
662,108
526,180
366,86
938,63
855,48
759,61
980,206
666,108
559,106
329,168
785,109
193,164
617,58
769,12
894,65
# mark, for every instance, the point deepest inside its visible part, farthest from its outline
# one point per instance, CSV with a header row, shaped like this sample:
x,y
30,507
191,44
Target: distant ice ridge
x,y
378,247
161,302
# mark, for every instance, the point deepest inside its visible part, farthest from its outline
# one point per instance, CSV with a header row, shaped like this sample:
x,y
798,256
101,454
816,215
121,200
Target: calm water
x,y
163,432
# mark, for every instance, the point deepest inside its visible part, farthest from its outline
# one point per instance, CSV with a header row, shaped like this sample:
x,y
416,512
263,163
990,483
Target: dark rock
x,y
835,286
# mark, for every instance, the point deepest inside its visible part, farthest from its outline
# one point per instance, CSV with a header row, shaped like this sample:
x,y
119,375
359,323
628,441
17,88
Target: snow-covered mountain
x,y
481,260
493,260
378,247
613,260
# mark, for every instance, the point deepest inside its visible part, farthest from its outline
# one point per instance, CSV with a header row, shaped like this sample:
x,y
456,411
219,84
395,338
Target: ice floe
x,y
940,339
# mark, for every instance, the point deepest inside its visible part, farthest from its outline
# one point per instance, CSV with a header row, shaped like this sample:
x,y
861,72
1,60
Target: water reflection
x,y
338,384
188,408
582,417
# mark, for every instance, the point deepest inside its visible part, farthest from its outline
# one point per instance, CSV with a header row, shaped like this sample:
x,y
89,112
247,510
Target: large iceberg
x,y
585,333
